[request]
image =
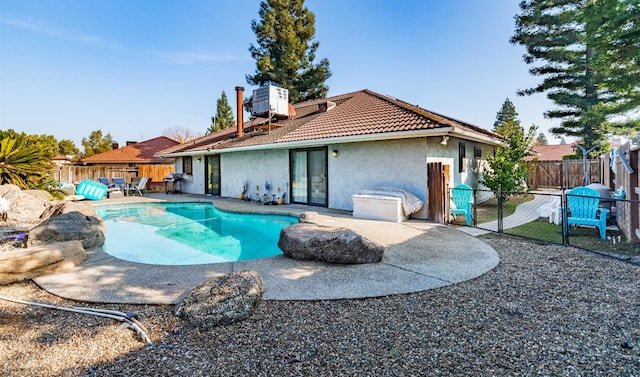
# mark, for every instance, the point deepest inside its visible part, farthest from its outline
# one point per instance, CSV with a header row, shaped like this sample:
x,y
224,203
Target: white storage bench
x,y
378,207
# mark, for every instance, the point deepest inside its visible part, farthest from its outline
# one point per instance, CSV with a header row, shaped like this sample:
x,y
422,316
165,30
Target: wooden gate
x,y
437,197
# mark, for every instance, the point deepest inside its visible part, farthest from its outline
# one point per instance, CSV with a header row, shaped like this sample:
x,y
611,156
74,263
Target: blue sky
x,y
134,68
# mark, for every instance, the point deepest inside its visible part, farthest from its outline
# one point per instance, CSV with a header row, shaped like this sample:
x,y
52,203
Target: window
x,y
477,152
187,165
462,154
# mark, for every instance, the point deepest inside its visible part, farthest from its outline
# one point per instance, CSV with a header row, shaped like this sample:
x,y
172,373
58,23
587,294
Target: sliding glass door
x,y
309,176
212,175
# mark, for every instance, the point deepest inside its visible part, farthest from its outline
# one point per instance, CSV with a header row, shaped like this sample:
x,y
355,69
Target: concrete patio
x,y
419,255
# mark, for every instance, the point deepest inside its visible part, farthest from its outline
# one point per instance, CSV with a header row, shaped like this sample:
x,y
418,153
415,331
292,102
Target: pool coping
x,y
419,255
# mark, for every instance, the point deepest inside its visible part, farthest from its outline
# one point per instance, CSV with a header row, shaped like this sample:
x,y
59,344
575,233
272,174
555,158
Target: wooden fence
x,y
155,172
565,173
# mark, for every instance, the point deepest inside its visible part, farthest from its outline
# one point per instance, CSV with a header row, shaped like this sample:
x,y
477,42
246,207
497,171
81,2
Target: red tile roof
x,y
353,114
142,152
551,152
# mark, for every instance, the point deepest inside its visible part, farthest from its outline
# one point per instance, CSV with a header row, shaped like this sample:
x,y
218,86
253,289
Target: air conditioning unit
x,y
270,99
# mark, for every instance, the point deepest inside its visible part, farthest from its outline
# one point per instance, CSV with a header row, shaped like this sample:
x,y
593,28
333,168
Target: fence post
x,y
500,225
475,212
565,227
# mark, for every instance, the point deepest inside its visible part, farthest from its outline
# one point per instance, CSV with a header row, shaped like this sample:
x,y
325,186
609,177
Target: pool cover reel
x,y
128,319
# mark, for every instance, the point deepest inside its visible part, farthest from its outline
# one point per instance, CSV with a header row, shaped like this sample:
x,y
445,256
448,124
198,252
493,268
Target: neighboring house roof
x,y
142,152
357,116
551,152
61,157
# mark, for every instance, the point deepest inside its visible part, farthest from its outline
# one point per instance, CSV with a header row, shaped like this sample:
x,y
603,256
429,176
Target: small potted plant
x,y
281,197
244,190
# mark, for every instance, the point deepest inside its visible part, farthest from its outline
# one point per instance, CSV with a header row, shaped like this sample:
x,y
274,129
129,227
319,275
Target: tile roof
x,y
142,152
551,152
350,115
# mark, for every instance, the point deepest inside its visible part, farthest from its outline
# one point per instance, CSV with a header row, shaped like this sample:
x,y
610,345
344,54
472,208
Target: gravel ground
x,y
544,310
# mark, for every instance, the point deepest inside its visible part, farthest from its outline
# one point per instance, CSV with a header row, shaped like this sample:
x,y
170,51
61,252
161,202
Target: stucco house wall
x,y
400,163
367,165
254,168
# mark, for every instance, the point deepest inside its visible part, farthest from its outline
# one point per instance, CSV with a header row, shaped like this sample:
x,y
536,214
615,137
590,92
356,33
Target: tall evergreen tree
x,y
541,139
506,169
224,115
285,50
506,115
615,27
583,61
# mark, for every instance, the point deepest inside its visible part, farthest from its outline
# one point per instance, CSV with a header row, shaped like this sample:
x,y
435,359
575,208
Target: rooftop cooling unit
x,y
270,99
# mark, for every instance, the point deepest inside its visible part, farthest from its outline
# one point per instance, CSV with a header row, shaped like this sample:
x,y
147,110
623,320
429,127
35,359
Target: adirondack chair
x,y
462,198
139,187
583,204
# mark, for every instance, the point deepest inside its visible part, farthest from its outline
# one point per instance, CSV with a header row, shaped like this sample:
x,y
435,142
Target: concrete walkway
x,y
419,255
524,213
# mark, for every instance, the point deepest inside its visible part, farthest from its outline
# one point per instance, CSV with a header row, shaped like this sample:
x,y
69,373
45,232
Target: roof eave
x,y
440,131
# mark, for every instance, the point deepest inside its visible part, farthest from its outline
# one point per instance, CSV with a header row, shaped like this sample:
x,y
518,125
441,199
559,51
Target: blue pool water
x,y
189,233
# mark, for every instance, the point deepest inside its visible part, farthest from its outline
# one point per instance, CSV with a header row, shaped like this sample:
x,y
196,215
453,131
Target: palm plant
x,y
23,161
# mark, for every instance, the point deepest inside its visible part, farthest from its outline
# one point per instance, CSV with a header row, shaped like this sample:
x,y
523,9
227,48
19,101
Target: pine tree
x,y
541,139
286,51
506,115
224,115
583,62
506,169
615,28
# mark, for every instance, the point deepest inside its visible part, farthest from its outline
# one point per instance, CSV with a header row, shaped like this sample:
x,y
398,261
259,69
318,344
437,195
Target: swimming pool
x,y
189,233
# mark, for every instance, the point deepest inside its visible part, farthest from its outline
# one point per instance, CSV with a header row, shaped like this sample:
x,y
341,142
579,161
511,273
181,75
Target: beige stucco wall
x,y
397,163
254,168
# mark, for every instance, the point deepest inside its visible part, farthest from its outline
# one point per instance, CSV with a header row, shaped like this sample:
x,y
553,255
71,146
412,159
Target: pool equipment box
x,y
378,207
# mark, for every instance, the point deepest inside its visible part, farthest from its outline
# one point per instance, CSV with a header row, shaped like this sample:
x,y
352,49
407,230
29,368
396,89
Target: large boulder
x,y
222,300
330,244
70,221
26,206
23,264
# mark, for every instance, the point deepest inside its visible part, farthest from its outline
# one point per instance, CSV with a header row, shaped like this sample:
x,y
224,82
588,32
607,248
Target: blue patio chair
x,y
583,204
462,198
119,182
104,181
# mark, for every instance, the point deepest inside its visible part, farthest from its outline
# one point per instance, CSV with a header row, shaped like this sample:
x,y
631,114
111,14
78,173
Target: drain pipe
x,y
128,319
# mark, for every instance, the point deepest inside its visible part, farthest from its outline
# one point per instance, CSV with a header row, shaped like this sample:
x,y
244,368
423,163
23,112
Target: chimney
x,y
114,146
240,110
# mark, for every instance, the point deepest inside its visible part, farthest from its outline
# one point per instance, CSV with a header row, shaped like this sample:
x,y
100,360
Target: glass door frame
x,y
325,161
207,158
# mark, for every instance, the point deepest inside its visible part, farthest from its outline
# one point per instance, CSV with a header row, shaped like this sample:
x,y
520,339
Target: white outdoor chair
x,y
139,187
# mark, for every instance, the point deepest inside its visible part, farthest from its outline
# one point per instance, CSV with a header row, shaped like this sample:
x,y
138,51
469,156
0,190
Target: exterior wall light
x,y
334,153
